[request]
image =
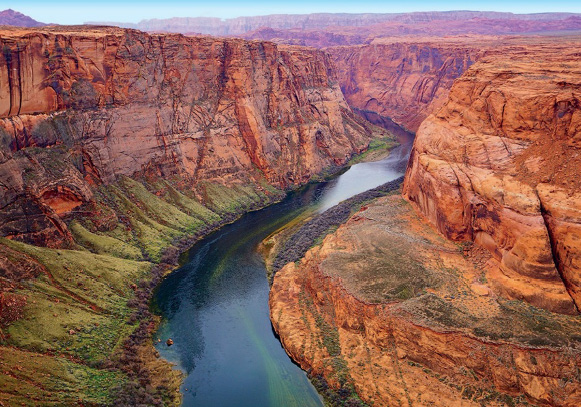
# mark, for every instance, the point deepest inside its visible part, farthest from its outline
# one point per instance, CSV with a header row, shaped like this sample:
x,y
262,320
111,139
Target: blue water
x,y
215,307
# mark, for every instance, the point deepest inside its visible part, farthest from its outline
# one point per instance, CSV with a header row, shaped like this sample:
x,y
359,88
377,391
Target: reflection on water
x,y
364,176
215,307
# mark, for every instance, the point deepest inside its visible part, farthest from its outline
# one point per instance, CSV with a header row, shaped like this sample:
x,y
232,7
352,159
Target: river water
x,y
215,307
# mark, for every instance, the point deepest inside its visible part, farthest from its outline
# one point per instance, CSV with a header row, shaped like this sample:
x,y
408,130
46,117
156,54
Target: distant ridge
x,y
241,25
14,18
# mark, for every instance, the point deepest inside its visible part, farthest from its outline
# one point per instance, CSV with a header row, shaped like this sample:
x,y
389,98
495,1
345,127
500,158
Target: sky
x,y
78,12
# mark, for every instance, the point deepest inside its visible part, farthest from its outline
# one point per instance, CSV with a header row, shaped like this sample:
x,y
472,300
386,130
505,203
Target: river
x,y
215,307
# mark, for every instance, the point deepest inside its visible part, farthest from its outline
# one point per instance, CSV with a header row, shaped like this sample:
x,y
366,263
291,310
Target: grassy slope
x,y
77,315
80,312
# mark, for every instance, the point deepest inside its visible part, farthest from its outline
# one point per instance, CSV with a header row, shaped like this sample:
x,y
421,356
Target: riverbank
x,y
386,310
86,309
215,308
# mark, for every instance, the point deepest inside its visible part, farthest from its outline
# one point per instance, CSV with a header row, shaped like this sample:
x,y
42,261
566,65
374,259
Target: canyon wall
x,y
80,107
405,79
498,165
387,312
118,150
403,23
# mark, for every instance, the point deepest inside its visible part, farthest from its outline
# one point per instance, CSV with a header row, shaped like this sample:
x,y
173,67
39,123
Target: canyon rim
x,y
124,144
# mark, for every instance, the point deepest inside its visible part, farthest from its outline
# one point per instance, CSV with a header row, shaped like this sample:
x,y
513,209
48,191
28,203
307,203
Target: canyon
x,y
466,292
109,103
120,148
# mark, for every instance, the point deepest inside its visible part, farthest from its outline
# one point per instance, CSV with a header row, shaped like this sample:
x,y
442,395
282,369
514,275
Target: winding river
x,y
215,307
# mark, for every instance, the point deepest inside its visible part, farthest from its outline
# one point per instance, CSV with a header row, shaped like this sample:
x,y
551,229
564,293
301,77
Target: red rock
x,y
337,316
480,166
84,106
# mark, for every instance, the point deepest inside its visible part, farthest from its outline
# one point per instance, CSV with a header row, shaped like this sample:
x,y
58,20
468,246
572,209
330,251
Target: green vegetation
x,y
84,319
34,379
80,291
102,244
327,337
226,200
378,148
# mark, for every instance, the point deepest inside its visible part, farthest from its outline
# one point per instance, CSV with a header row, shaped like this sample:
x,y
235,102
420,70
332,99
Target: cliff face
x,y
498,165
388,308
435,22
404,79
80,108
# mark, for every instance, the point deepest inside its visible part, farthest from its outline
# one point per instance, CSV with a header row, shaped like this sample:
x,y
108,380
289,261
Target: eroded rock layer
x,y
80,107
498,165
407,78
387,308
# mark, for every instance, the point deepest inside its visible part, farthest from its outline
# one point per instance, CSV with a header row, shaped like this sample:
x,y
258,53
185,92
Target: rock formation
x,y
405,79
81,107
487,313
388,309
498,165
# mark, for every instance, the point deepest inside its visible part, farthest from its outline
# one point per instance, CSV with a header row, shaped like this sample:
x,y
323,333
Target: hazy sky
x,y
77,12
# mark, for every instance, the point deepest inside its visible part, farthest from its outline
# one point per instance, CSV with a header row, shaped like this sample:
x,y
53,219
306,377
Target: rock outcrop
x,y
14,18
498,165
405,79
80,107
389,309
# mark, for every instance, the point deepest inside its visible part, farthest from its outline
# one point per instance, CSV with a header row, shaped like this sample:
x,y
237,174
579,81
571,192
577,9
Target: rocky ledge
x,y
388,311
498,165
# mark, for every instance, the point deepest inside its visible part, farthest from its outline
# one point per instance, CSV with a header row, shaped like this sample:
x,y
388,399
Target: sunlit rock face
x,y
498,164
80,107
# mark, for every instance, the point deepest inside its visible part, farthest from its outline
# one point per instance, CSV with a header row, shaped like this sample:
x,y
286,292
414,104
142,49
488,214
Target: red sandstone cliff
x,y
388,308
405,79
499,165
80,107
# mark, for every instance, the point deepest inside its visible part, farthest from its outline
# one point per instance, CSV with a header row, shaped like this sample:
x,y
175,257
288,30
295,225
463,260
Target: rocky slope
x,y
118,150
114,102
498,165
388,312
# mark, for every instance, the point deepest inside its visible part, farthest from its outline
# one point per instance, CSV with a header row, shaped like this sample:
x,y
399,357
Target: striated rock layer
x,y
80,107
436,22
405,79
389,309
498,165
